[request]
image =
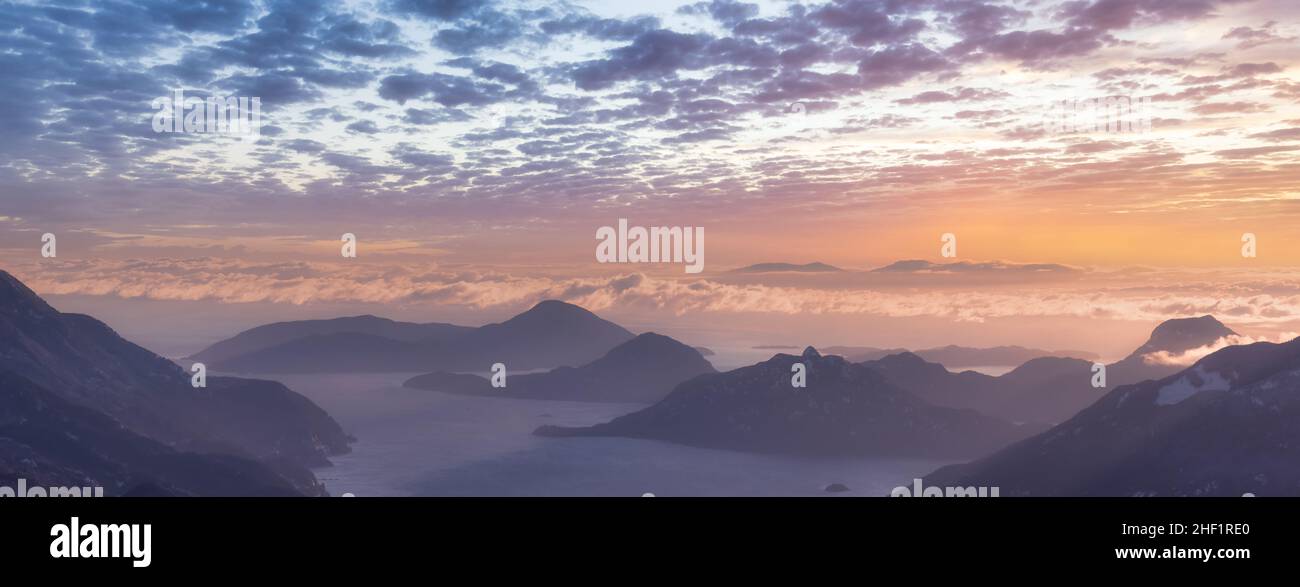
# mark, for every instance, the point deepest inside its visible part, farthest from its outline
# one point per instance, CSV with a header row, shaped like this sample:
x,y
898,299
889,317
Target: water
x,y
425,443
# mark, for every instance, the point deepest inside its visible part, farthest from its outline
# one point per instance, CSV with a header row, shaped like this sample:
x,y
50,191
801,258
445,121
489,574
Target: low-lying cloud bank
x,y
1190,356
1272,297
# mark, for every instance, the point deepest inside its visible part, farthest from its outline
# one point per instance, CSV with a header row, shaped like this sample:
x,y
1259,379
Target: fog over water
x,y
424,443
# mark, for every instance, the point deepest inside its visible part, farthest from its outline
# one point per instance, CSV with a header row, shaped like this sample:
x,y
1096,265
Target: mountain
x,y
1043,389
643,370
939,386
1047,389
1222,427
271,335
787,267
85,363
1183,334
987,267
846,409
338,352
52,443
857,354
1171,337
550,334
953,356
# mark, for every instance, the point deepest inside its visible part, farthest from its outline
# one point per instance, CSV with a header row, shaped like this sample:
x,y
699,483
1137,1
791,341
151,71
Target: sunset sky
x,y
475,148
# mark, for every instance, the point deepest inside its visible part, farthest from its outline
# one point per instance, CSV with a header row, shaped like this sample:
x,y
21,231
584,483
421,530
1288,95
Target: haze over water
x,y
425,443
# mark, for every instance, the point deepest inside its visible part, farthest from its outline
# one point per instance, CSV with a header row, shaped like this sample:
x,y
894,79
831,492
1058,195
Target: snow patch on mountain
x,y
1190,384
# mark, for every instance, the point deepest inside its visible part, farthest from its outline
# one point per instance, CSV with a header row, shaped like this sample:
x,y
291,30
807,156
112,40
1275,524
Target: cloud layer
x,y
1270,298
513,110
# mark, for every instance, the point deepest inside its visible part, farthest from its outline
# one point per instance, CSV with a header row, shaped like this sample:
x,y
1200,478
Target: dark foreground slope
x,y
1228,425
85,363
51,443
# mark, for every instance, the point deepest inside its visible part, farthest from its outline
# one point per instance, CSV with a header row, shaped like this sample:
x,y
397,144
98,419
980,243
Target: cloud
x,y
1251,299
958,94
652,55
1282,134
728,12
1191,356
551,110
1122,14
485,28
1035,48
1253,152
1249,38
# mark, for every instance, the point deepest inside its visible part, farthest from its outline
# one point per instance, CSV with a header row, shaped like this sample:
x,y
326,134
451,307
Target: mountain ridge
x,y
955,356
87,364
642,370
277,333
51,442
550,334
846,409
1042,389
1223,426
814,267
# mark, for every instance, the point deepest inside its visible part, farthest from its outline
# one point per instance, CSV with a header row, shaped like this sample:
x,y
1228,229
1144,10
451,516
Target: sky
x,y
475,148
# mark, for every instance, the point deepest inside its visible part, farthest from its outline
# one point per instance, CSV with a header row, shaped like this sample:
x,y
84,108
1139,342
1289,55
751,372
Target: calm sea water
x,y
424,443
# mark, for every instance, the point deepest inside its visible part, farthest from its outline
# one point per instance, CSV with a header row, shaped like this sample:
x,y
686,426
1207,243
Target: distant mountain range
x,y
846,409
919,266
922,266
551,334
1222,427
273,335
787,267
643,370
1046,389
953,356
81,406
72,372
899,404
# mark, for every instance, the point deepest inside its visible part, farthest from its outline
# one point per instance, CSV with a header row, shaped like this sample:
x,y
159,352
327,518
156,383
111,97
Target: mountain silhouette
x,y
643,370
787,267
1222,427
953,356
336,352
271,335
87,364
1044,389
550,334
845,409
1171,337
987,267
51,442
